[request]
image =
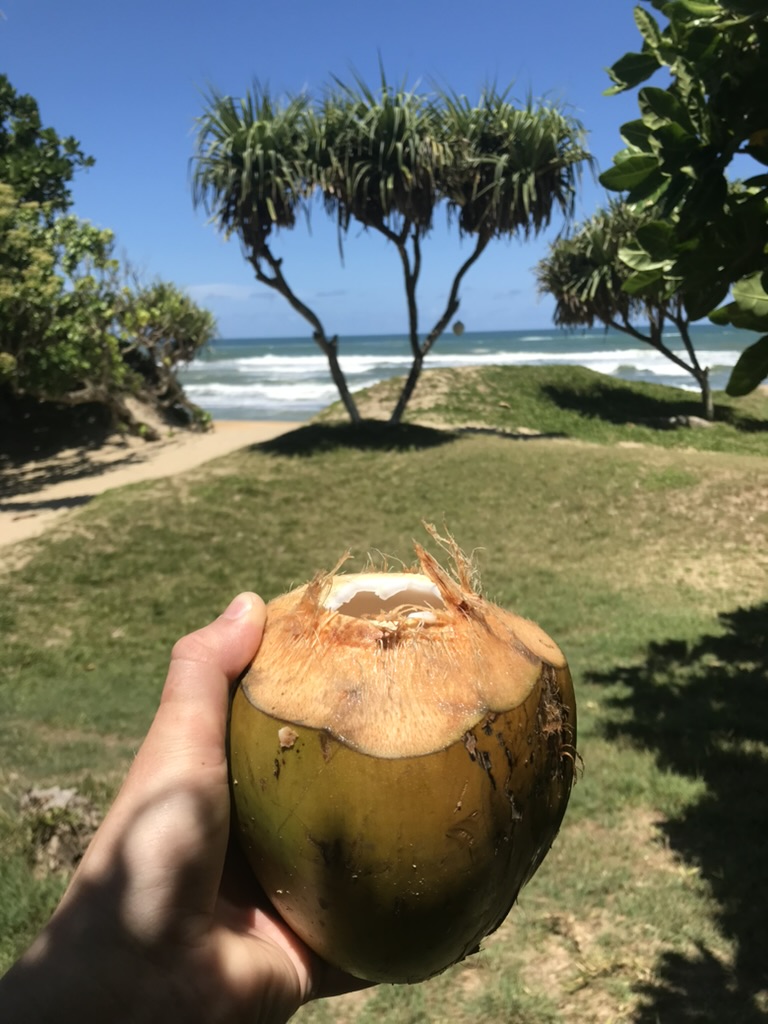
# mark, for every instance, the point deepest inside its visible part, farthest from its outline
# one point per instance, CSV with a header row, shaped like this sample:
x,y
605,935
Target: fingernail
x,y
237,608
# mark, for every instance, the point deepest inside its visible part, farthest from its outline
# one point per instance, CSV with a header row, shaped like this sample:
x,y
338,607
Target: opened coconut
x,y
401,756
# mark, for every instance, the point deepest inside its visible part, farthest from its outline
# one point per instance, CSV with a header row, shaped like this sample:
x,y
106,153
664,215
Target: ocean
x,y
288,378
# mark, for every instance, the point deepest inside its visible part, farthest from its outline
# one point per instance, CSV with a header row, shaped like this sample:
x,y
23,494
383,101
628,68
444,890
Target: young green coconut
x,y
401,757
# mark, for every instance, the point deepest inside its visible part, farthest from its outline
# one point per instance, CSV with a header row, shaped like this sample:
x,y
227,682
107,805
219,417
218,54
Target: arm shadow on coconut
x,y
702,709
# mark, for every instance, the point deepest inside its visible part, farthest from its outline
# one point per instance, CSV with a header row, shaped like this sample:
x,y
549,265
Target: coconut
x,y
401,756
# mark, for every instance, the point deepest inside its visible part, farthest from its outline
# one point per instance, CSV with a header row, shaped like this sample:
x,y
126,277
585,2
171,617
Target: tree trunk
x,y
421,351
700,373
408,389
706,395
330,348
328,345
701,376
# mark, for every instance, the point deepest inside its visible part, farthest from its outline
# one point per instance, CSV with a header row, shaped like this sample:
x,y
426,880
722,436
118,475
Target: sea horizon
x,y
287,378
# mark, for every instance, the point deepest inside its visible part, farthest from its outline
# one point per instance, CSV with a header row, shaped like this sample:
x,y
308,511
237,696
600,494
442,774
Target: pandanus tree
x,y
251,175
592,276
385,160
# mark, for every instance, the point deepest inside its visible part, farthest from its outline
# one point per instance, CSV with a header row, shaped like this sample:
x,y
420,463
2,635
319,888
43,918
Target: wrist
x,y
81,978
88,973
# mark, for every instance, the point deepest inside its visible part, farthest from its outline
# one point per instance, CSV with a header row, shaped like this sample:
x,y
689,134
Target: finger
x,y
264,978
270,970
189,730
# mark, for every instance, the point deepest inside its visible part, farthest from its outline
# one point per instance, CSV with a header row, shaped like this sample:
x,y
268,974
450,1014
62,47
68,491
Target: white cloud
x,y
225,292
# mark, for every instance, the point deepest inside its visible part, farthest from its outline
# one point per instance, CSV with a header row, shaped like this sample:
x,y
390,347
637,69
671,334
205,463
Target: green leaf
x,y
637,134
639,259
735,316
750,370
651,190
701,9
744,7
700,298
647,27
642,281
629,172
706,199
750,296
677,145
661,107
657,239
630,70
722,316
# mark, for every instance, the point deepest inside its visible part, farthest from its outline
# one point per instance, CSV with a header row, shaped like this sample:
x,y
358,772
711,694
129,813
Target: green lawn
x,y
641,550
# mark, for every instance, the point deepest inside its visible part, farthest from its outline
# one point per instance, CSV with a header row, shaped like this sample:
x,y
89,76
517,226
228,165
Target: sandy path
x,y
38,495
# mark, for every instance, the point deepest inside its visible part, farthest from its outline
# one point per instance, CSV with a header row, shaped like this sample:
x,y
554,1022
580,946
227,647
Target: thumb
x,y
185,748
189,729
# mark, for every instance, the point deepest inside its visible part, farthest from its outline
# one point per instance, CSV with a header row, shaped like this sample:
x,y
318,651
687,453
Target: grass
x,y
571,401
645,561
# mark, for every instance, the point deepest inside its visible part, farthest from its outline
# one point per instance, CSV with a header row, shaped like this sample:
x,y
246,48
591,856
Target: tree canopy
x,y
385,159
589,273
710,235
75,327
35,161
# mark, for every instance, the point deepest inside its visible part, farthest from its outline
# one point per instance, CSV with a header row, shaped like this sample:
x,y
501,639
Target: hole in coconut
x,y
371,594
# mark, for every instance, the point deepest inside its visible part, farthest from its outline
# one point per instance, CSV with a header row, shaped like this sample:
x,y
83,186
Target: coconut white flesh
x,y
374,594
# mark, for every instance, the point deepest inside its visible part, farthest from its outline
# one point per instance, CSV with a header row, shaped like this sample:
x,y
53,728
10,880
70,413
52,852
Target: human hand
x,y
161,920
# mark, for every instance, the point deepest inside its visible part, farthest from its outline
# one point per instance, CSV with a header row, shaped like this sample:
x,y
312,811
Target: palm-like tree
x,y
380,165
515,166
389,158
589,278
584,274
504,170
385,159
251,176
375,156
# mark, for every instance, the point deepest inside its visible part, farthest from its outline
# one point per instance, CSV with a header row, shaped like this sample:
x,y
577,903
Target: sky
x,y
129,80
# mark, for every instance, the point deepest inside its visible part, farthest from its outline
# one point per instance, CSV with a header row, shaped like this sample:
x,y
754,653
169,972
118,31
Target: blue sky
x,y
127,80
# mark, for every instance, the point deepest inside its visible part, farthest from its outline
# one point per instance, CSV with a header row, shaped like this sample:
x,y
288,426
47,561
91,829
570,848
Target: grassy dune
x,y
641,549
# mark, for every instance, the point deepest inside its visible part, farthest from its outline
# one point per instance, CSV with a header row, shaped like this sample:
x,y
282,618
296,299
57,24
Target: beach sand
x,y
39,495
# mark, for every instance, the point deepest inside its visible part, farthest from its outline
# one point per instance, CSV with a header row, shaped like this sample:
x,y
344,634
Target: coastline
x,y
38,495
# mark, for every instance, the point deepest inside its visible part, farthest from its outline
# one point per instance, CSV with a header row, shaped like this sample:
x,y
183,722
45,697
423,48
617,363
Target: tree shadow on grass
x,y
644,405
370,435
702,708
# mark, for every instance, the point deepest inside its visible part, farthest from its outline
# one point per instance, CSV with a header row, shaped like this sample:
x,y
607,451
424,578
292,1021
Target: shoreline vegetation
x,y
636,536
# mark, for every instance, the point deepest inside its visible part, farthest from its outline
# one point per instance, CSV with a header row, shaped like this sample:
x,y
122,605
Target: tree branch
x,y
328,345
452,304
